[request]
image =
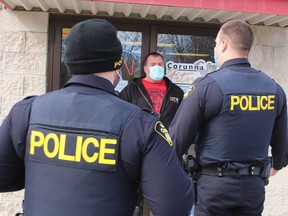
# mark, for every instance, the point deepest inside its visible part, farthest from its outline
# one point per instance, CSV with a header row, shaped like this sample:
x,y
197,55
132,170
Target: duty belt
x,y
219,171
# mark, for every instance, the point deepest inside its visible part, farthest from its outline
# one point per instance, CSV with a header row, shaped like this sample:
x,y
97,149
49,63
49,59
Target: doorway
x,y
187,48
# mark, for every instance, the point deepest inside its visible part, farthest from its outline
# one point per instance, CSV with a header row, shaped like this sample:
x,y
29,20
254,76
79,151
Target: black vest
x,y
72,157
242,130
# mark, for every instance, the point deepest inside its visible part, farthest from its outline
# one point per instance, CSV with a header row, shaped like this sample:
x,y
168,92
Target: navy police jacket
x,y
231,135
82,150
235,113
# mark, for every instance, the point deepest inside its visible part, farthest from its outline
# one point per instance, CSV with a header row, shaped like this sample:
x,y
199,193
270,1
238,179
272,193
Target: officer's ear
x,y
224,45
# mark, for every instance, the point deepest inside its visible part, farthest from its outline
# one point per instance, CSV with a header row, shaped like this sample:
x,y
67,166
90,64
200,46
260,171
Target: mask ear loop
x,y
120,76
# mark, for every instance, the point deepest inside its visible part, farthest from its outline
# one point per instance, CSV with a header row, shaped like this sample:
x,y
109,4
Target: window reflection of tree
x,y
64,74
131,42
172,46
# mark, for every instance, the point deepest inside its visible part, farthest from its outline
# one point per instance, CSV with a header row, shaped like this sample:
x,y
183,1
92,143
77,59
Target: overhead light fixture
x,y
132,43
165,45
188,54
140,44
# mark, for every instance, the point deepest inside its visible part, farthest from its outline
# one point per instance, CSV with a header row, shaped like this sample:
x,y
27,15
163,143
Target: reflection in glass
x,y
185,48
64,74
131,42
187,57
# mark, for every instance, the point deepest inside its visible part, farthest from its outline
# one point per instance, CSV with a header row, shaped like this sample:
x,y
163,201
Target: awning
x,y
256,12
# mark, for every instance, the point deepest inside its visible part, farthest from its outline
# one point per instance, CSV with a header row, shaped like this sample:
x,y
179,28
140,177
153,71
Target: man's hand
x,y
273,172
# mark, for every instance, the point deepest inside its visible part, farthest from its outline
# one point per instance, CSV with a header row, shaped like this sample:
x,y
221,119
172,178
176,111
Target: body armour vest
x,y
72,156
241,132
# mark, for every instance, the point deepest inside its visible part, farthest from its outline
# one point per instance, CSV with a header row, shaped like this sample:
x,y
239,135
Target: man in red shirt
x,y
154,91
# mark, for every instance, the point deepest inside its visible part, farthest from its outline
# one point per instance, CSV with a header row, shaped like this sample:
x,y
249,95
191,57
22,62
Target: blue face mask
x,y
216,60
156,73
119,74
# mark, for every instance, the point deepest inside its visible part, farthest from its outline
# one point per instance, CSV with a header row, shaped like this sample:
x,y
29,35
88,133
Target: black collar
x,y
236,62
91,81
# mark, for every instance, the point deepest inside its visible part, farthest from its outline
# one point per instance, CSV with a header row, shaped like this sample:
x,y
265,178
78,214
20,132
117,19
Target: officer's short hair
x,y
239,33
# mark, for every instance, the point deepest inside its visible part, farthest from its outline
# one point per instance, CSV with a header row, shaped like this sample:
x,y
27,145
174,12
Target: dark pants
x,y
230,196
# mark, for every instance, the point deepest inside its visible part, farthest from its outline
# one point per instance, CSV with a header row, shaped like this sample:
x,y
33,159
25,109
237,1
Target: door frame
x,y
149,28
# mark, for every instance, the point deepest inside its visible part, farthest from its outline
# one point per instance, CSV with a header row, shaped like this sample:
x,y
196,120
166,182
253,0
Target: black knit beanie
x,y
93,46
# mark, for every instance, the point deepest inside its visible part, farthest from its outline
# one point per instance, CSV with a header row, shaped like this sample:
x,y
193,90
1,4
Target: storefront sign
x,y
183,74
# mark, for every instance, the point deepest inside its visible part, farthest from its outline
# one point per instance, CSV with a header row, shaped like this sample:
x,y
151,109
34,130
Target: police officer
x,y
82,150
237,112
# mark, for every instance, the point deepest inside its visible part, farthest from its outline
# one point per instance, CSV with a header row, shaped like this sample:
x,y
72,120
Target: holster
x,y
191,168
138,211
267,165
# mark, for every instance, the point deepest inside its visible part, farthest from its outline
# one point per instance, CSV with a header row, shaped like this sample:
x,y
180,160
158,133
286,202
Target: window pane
x,y
131,42
64,74
187,57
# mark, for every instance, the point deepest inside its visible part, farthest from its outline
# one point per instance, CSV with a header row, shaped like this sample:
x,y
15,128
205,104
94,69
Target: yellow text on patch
x,y
54,145
253,103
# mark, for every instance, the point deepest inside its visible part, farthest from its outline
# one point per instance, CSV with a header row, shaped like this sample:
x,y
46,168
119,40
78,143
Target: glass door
x,y
132,47
187,48
188,55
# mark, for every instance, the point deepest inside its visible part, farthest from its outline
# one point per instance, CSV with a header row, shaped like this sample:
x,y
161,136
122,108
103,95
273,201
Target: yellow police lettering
x,y
79,144
252,103
271,102
62,155
53,137
54,146
36,135
244,100
104,150
86,157
252,108
234,101
263,105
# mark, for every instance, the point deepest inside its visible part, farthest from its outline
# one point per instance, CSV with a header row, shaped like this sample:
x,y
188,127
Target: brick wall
x,y
270,54
23,63
23,56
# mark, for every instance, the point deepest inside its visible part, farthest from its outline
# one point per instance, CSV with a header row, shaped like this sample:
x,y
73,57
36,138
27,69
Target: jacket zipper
x,y
150,103
145,98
